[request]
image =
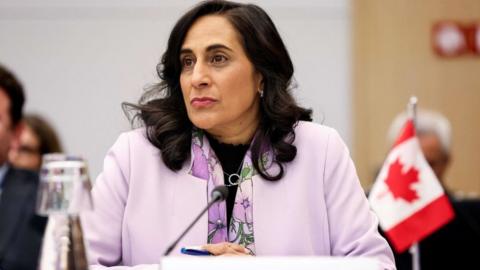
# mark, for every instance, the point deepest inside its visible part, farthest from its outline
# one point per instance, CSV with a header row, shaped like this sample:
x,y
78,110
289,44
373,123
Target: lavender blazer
x,y
317,208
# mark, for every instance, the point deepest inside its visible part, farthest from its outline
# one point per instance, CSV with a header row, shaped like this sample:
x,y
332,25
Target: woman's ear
x,y
260,84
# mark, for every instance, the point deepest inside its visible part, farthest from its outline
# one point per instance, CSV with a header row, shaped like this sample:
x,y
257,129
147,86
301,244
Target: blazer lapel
x,y
12,201
188,189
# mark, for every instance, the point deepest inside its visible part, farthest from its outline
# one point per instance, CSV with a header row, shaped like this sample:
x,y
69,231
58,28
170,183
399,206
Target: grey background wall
x,y
79,59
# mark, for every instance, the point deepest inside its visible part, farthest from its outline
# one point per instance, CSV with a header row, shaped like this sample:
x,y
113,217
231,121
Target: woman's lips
x,y
203,102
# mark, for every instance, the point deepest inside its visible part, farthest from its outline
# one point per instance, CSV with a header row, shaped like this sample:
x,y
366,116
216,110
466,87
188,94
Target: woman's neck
x,y
237,133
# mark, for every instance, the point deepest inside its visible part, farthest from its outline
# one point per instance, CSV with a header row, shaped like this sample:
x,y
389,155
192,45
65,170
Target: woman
x,y
37,138
223,114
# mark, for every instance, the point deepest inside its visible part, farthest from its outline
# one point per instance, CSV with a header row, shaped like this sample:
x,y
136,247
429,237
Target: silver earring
x,y
261,92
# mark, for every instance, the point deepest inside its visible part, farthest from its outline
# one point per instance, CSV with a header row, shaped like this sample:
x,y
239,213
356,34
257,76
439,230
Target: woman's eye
x,y
218,59
187,62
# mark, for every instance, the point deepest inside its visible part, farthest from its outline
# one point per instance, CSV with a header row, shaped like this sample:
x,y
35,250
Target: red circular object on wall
x,y
477,39
448,39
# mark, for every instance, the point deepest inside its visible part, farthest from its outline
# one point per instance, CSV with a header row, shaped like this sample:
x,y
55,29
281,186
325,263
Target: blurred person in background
x,y
36,139
21,230
435,138
455,245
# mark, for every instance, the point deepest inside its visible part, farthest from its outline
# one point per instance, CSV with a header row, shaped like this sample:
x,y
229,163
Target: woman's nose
x,y
200,75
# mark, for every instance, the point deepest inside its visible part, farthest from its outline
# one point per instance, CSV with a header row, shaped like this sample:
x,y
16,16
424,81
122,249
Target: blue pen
x,y
195,251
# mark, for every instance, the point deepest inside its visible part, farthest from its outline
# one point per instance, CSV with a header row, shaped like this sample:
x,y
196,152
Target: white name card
x,y
266,263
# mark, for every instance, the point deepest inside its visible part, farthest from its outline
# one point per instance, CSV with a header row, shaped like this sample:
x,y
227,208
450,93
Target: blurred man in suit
x,y
21,229
454,246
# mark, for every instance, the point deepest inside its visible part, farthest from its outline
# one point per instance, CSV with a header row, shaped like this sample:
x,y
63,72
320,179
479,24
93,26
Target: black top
x,y
231,158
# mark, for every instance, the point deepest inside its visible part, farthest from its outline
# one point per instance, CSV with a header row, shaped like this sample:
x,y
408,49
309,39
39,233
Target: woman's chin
x,y
204,124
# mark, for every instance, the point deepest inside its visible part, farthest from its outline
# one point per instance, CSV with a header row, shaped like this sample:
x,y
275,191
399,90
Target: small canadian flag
x,y
407,196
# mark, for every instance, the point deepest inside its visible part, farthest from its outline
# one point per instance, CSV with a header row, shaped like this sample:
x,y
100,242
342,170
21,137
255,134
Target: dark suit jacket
x,y
454,246
21,230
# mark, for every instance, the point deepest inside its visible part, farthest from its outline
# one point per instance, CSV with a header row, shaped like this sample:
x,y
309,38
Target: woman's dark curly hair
x,y
163,111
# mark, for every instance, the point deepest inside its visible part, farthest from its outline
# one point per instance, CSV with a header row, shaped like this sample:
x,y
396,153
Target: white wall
x,y
79,59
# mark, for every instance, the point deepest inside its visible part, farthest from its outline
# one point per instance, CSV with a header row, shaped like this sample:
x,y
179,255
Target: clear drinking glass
x,y
63,194
64,186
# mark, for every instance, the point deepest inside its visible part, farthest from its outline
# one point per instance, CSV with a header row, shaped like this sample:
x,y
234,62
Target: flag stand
x,y
414,249
415,205
415,252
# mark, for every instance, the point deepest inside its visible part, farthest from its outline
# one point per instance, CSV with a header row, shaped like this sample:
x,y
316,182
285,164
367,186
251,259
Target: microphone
x,y
219,193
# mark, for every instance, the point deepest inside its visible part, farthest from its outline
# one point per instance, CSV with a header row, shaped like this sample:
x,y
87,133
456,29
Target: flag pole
x,y
414,249
412,109
415,252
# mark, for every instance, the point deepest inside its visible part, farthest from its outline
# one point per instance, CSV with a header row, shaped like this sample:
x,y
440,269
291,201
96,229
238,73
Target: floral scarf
x,y
205,165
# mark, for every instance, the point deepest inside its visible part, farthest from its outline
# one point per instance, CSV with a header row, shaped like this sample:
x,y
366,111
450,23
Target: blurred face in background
x,y
26,154
434,154
8,133
219,83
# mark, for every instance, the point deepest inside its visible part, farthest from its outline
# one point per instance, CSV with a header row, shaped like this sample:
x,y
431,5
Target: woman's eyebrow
x,y
218,46
209,48
185,51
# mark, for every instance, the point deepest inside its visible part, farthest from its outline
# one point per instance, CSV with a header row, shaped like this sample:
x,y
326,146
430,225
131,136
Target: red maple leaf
x,y
400,183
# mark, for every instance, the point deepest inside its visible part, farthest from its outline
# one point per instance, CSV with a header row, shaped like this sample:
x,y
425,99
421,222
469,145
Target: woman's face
x,y
219,83
27,154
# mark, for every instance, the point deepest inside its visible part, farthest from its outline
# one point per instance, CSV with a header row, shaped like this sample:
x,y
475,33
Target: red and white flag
x,y
407,196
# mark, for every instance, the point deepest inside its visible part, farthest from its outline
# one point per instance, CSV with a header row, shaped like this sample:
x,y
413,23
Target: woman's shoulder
x,y
316,135
136,134
311,130
134,139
